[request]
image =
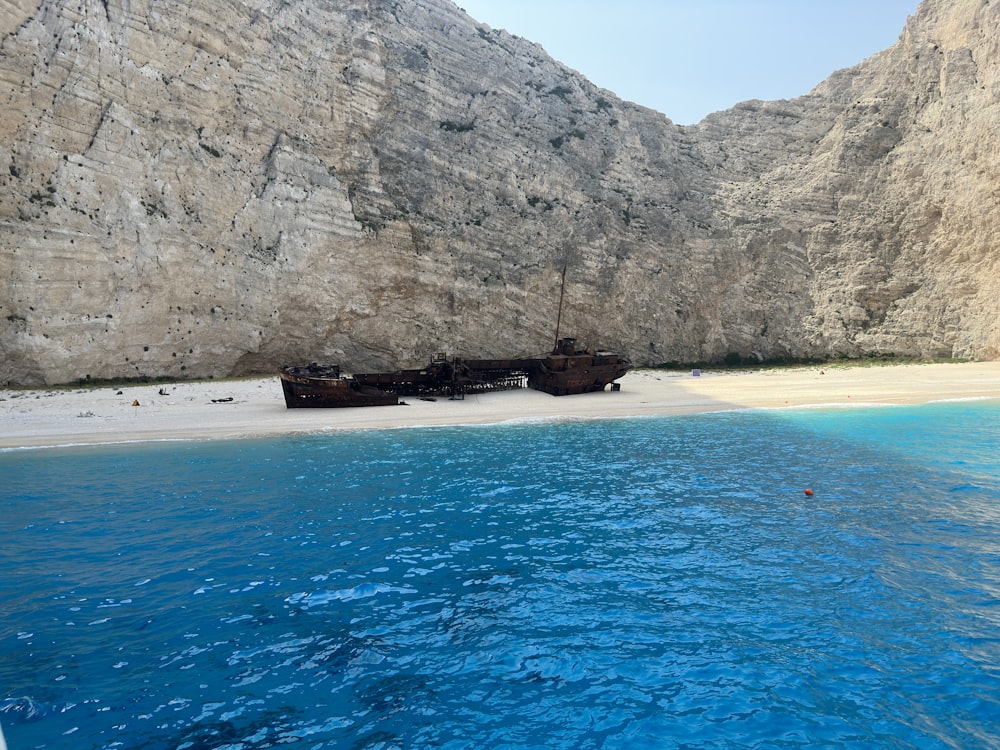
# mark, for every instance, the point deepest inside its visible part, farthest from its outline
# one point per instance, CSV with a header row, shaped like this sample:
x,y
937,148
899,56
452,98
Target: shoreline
x,y
254,408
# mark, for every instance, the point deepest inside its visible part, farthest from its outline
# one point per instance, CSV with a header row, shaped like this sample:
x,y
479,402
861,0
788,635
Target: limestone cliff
x,y
202,189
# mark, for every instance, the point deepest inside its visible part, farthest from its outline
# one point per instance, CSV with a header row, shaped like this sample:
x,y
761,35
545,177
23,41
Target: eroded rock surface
x,y
206,188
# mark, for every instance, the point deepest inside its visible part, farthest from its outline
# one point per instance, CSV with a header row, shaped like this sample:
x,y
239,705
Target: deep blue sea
x,y
637,583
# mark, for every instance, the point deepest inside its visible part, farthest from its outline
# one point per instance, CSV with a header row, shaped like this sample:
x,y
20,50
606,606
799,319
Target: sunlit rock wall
x,y
204,189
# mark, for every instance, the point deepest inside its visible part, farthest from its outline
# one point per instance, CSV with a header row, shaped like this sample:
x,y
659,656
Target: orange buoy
x,y
809,492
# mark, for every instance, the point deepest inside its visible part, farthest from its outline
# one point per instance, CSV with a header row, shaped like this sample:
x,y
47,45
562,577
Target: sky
x,y
687,58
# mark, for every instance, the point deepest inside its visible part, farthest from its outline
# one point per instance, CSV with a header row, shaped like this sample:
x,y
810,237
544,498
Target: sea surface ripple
x,y
642,583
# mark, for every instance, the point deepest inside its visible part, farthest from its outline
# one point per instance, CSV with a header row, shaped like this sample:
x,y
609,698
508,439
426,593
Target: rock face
x,y
206,188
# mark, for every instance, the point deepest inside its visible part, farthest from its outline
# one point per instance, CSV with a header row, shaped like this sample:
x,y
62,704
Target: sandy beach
x,y
255,408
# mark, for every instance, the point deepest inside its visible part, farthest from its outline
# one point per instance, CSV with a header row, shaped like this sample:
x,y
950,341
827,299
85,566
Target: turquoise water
x,y
650,583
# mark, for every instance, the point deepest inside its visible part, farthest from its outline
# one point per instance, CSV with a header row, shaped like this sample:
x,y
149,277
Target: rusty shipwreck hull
x,y
322,386
566,371
569,370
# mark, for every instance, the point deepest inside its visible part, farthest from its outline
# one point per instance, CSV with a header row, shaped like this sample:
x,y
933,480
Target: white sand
x,y
50,417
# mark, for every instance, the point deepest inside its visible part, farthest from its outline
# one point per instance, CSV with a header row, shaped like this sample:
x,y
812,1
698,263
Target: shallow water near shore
x,y
639,583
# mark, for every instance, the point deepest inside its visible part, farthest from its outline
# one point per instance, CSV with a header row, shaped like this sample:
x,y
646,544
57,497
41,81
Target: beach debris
x,y
222,400
135,403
